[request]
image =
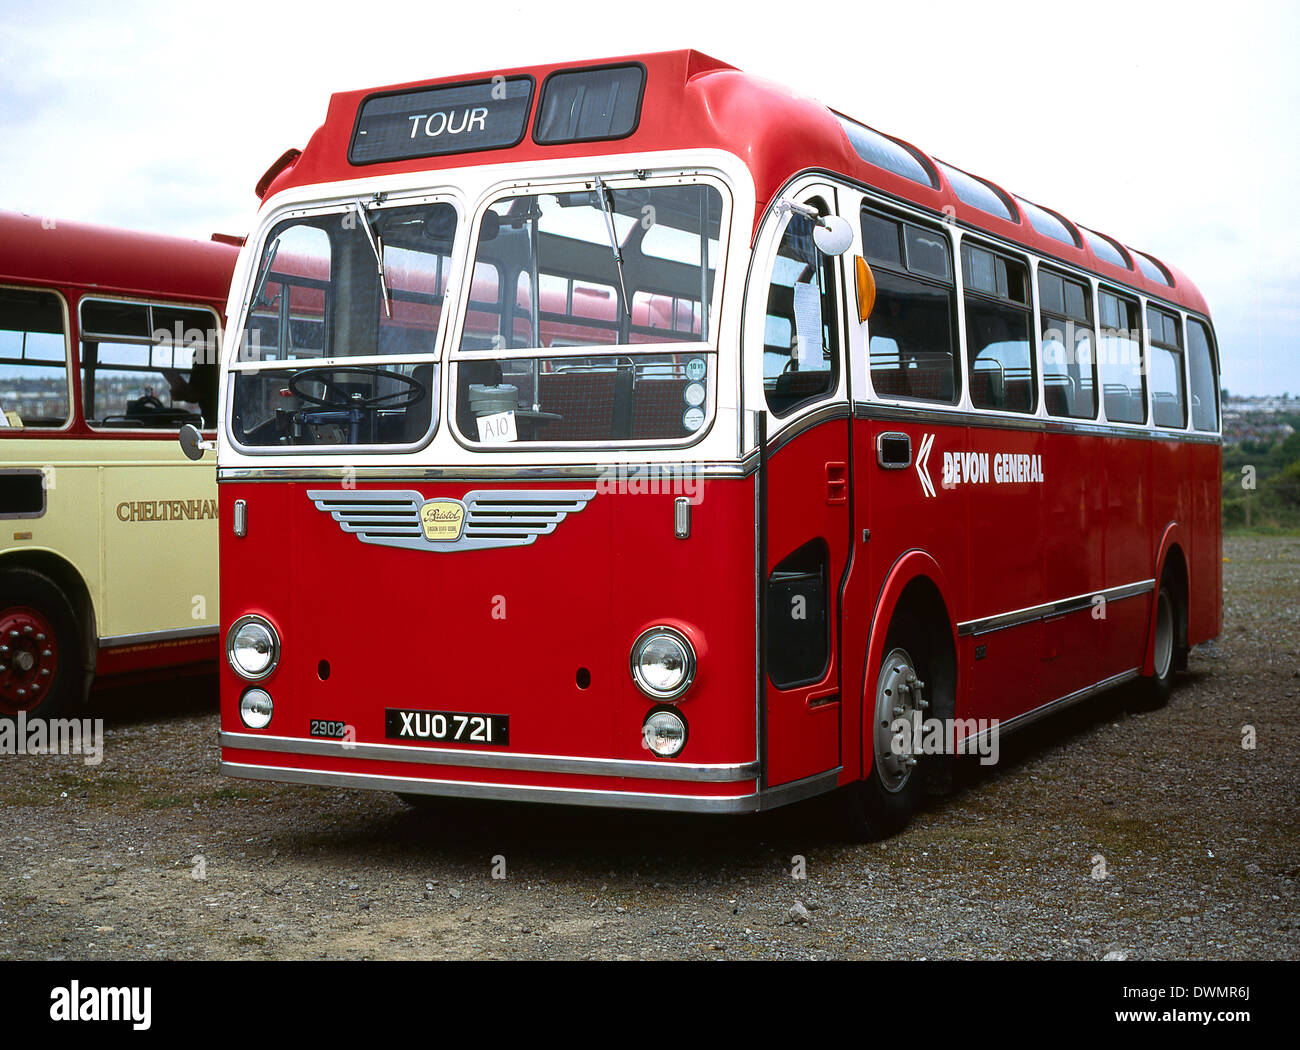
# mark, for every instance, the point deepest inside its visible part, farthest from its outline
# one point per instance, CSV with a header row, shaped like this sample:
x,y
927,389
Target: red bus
x,y
639,433
108,343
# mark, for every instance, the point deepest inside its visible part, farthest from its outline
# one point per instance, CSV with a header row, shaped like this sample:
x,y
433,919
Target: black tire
x,y
1153,692
882,804
52,678
431,805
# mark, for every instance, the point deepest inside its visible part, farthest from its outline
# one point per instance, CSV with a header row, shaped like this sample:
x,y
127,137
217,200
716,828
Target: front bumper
x,y
514,777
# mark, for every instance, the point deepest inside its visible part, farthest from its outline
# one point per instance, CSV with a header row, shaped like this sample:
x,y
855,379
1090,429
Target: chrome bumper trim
x,y
752,802
442,756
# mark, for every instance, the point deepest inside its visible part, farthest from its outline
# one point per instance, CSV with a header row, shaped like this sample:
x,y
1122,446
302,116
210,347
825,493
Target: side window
x,y
998,348
1205,377
912,349
1168,393
1123,377
33,360
147,365
800,346
1069,360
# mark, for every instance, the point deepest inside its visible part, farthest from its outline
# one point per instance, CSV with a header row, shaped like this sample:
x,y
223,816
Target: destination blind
x,y
461,118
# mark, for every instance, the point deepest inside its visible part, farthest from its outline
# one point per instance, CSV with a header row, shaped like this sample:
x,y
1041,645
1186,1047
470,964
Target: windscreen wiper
x,y
613,240
260,290
377,247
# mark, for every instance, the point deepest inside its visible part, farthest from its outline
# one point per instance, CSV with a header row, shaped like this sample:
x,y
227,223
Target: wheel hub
x,y
899,694
28,659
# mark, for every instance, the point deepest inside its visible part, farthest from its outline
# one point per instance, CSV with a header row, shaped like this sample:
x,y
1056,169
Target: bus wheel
x,y
427,804
41,667
1154,691
884,801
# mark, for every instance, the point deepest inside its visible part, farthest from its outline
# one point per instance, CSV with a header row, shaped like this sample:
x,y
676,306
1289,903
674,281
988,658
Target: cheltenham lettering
x,y
1004,468
166,510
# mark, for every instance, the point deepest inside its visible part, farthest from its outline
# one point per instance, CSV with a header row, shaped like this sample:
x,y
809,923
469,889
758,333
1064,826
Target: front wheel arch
x,y
920,627
69,579
42,670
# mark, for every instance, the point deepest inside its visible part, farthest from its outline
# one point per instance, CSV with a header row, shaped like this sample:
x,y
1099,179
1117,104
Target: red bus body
x,y
1007,572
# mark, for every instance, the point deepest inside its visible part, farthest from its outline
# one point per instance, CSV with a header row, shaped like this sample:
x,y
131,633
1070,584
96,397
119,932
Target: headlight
x,y
664,732
663,663
252,647
255,708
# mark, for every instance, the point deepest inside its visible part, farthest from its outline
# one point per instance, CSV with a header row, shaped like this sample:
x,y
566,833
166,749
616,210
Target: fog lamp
x,y
255,708
664,732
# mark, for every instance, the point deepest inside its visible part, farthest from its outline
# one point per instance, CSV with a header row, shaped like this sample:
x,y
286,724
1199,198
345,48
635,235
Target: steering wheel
x,y
335,398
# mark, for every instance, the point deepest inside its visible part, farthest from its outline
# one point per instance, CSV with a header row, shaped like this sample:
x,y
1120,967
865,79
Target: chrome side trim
x,y
1051,707
823,414
417,472
1048,610
442,756
938,415
748,803
116,641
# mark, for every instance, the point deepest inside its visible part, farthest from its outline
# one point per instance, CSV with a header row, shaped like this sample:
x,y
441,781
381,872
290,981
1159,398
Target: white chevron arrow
x,y
923,465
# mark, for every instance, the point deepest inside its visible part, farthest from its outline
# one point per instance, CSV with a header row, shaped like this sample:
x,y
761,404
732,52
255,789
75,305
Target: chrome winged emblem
x,y
478,520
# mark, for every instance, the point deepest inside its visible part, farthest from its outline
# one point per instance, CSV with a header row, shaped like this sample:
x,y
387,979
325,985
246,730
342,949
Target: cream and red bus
x,y
640,433
108,555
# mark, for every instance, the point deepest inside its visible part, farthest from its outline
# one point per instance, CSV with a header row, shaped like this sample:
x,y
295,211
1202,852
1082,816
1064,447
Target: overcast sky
x,y
1171,127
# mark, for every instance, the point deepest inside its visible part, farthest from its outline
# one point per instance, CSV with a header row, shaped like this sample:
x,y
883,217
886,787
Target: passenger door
x,y
794,343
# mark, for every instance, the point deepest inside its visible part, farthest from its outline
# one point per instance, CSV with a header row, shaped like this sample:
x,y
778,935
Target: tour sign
x,y
462,118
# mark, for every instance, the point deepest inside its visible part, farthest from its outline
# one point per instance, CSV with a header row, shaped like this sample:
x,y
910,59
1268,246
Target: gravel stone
x,y
1100,834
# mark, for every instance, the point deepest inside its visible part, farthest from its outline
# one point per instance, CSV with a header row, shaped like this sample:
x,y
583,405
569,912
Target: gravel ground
x,y
1197,836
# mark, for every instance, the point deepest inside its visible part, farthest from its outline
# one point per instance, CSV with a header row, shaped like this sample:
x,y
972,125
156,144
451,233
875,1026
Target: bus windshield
x,y
560,280
320,295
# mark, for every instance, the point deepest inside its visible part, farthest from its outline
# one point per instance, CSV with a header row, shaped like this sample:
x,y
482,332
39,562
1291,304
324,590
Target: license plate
x,y
446,727
330,728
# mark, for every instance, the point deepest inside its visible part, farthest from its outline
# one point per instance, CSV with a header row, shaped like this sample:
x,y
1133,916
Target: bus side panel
x,y
1006,568
70,526
901,515
160,542
1074,491
1130,557
1205,568
1172,468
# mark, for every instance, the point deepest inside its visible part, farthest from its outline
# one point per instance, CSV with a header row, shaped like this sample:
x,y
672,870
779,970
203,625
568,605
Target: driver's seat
x,y
415,418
